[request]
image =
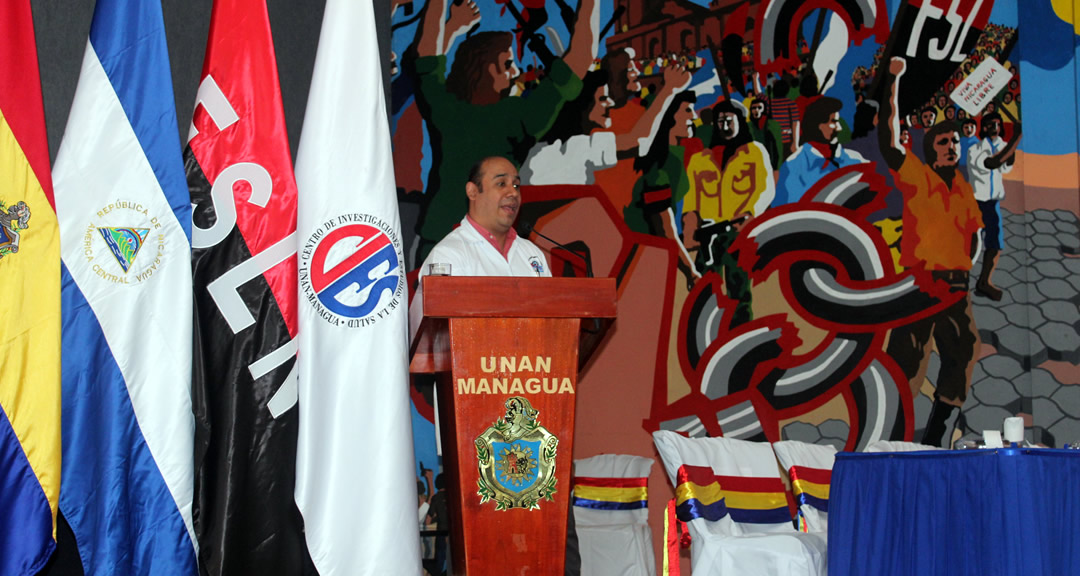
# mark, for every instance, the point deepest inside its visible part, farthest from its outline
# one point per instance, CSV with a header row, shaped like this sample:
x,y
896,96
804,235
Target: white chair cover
x,y
809,468
896,446
732,497
612,515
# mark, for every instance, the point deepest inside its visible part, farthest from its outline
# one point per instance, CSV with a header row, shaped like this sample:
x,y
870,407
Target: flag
x,y
125,228
244,264
354,486
705,82
930,36
29,310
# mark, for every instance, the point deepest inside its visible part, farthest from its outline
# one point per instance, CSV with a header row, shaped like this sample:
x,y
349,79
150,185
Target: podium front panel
x,y
511,397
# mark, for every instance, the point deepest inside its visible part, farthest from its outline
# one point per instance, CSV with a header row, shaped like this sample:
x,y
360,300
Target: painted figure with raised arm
x,y
471,113
941,222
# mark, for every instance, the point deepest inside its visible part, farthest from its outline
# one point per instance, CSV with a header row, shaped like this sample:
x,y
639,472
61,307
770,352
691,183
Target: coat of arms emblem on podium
x,y
516,456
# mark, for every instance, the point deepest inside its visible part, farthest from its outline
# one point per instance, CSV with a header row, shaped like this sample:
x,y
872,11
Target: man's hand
x,y
742,220
897,66
677,77
462,17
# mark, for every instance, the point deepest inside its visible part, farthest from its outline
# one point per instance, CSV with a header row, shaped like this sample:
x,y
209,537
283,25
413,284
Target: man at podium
x,y
485,243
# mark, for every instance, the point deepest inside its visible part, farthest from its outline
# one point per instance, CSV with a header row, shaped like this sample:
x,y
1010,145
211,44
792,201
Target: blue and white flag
x,y
354,481
705,82
125,229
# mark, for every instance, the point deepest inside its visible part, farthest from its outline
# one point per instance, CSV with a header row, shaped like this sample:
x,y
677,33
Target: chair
x,y
611,513
897,446
809,468
731,495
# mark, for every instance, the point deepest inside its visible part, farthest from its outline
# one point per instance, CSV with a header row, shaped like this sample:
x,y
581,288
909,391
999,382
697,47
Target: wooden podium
x,y
507,352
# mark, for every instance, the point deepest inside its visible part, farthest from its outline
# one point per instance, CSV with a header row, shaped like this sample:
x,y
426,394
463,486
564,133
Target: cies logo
x,y
351,270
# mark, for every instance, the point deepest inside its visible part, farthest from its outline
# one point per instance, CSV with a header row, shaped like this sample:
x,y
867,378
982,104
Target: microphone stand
x,y
527,230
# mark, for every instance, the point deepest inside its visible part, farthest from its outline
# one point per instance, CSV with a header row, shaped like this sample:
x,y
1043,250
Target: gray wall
x,y
62,27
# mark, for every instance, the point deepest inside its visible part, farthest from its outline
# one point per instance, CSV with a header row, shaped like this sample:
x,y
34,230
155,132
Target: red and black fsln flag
x,y
244,264
935,37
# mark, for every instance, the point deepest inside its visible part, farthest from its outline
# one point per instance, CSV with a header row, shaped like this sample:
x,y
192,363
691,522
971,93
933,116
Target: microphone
x,y
572,248
526,228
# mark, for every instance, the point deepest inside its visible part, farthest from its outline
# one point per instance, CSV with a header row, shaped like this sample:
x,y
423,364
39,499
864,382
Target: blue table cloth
x,y
1004,512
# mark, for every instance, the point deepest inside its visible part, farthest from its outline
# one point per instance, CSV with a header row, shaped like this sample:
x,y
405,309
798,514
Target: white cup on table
x,y
1014,430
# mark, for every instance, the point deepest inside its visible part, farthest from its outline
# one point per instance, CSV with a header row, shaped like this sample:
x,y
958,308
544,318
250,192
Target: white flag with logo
x,y
355,486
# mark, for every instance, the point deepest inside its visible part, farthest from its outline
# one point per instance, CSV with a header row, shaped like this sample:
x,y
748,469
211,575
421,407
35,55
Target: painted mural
x,y
827,219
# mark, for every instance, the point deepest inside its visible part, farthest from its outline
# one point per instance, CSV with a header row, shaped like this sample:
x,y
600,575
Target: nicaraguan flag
x,y
29,310
355,485
125,229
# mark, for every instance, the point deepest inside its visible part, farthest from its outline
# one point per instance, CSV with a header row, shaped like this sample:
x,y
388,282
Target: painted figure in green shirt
x,y
664,182
472,113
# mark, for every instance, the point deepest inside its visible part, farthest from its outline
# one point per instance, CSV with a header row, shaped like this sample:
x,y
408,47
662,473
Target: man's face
x,y
928,117
598,114
992,127
494,204
968,129
757,110
831,128
727,125
905,136
503,72
684,121
632,74
941,102
945,147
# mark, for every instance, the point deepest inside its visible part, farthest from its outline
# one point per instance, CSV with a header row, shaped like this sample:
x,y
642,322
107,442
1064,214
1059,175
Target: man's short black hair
x,y
991,116
476,171
931,134
818,112
986,119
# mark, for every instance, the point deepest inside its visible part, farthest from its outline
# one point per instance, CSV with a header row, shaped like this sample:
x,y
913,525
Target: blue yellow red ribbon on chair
x,y
701,493
611,493
811,486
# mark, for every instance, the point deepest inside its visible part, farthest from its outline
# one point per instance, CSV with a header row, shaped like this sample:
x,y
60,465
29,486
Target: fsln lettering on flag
x,y
244,260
